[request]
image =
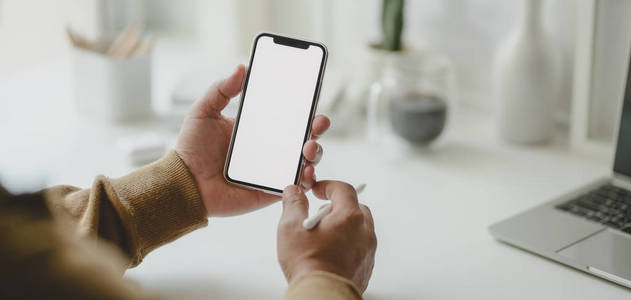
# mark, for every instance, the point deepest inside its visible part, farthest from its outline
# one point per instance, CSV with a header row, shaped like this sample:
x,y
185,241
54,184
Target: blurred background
x,y
468,31
443,92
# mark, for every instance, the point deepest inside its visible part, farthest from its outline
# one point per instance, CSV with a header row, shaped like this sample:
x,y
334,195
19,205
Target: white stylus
x,y
312,221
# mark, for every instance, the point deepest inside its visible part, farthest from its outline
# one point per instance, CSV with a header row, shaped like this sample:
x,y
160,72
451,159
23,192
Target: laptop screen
x,y
622,163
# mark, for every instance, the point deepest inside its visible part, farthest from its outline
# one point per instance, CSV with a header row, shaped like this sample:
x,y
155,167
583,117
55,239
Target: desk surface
x,y
431,208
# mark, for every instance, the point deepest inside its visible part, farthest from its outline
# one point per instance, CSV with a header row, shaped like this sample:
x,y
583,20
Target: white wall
x,y
31,31
611,54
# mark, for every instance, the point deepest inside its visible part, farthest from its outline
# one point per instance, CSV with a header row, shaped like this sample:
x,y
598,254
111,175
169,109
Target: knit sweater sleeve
x,y
138,212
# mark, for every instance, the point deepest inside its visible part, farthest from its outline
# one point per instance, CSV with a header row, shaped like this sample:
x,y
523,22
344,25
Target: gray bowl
x,y
418,118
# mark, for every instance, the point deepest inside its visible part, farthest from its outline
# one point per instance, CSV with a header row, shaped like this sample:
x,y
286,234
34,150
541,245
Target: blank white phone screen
x,y
275,114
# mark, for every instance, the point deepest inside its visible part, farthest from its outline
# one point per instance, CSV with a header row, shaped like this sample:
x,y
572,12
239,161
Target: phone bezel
x,y
290,42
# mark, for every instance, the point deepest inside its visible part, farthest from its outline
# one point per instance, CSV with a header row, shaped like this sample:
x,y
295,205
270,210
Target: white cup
x,y
112,89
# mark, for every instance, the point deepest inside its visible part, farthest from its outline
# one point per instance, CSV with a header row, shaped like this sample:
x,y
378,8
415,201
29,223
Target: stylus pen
x,y
312,221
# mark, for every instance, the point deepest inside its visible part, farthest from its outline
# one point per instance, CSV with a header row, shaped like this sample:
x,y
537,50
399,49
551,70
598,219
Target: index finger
x,y
340,193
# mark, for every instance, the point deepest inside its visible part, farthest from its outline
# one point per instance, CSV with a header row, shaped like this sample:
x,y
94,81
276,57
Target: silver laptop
x,y
589,228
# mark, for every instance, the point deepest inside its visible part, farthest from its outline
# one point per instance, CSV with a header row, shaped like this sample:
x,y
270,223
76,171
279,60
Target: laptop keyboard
x,y
609,205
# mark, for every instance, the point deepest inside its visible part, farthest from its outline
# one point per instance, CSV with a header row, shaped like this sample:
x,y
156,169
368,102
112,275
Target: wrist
x,y
308,266
328,285
191,163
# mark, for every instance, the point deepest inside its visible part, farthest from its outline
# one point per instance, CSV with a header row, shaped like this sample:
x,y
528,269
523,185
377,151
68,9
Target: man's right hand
x,y
344,242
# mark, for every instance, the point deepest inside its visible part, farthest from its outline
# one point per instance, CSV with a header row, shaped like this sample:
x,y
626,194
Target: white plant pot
x,y
527,80
372,62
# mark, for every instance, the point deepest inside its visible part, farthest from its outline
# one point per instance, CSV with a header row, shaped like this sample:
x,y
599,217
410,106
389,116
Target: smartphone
x,y
278,102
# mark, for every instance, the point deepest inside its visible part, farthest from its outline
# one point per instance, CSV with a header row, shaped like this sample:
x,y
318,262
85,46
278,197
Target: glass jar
x,y
410,102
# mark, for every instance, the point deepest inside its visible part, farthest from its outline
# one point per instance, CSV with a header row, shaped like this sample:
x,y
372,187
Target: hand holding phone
x,y
203,145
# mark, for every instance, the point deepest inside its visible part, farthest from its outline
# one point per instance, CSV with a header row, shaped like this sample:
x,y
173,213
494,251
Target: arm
x,y
137,212
162,201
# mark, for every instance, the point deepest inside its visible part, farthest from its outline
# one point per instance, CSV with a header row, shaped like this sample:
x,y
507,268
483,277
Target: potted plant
x,y
378,54
408,88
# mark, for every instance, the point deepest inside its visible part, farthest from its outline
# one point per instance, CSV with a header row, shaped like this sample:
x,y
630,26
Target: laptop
x,y
589,228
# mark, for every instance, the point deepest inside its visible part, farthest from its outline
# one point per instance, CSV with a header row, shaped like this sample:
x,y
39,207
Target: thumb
x,y
219,94
295,203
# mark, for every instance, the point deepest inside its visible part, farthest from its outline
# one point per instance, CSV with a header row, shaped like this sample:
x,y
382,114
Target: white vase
x,y
527,80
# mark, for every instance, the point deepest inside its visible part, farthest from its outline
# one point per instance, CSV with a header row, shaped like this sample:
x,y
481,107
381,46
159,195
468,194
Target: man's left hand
x,y
203,145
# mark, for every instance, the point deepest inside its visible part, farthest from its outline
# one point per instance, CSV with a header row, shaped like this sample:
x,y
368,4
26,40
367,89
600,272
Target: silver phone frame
x,y
315,101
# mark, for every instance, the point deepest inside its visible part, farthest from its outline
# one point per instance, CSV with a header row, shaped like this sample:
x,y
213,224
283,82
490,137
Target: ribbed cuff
x,y
163,202
322,285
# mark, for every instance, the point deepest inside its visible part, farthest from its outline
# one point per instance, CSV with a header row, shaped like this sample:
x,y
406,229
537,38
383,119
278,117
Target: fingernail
x,y
314,177
306,185
235,70
292,190
319,150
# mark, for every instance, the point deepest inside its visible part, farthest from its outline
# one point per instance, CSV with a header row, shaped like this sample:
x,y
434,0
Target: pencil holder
x,y
112,89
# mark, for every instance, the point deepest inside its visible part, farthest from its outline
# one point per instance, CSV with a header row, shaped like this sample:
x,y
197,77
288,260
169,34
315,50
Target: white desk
x,y
431,209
